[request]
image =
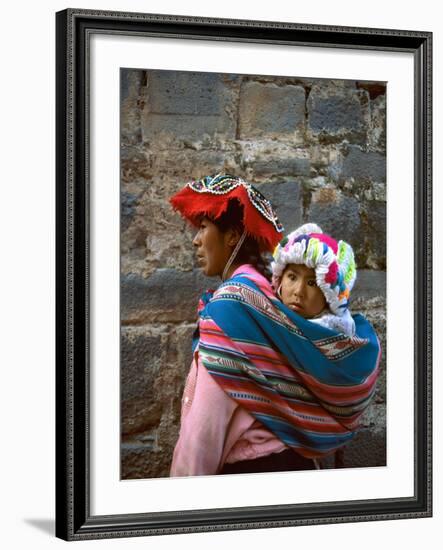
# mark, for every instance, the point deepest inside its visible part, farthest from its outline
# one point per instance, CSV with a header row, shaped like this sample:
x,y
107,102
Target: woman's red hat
x,y
210,197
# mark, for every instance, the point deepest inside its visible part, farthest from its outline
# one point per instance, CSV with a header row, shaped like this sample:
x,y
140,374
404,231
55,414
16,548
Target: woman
x,y
262,393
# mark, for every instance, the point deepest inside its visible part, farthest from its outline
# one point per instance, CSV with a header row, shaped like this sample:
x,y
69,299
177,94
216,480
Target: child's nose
x,y
299,288
196,240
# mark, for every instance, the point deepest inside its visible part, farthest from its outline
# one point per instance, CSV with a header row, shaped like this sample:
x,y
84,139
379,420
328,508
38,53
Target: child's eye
x,y
292,276
312,282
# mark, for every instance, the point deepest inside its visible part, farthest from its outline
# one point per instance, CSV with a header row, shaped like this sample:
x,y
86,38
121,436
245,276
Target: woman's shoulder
x,y
250,273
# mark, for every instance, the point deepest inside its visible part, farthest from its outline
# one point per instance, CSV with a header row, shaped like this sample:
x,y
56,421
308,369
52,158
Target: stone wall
x,y
316,149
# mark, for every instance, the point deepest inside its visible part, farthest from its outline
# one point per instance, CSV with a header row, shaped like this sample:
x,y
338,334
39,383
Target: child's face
x,y
299,291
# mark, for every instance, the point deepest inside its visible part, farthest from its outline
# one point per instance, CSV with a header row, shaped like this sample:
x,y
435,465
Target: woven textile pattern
x,y
306,383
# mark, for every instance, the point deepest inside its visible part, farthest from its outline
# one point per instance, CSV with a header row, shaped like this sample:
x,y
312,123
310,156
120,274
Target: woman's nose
x,y
196,240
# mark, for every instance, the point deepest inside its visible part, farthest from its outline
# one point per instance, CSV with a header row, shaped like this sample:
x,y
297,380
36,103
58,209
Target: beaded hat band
x,y
210,196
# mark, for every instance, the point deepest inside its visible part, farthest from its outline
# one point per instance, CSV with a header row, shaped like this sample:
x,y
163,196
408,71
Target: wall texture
x,y
316,149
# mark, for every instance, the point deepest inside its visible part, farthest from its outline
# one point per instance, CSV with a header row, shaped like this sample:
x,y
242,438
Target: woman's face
x,y
213,248
299,291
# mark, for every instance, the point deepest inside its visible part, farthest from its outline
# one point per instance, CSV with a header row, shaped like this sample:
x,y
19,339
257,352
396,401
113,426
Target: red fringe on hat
x,y
193,206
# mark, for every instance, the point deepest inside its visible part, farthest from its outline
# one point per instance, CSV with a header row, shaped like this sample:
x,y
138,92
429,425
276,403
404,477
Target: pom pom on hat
x,y
332,261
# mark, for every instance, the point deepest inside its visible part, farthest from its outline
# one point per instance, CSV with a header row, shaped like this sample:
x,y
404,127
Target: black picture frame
x,y
74,28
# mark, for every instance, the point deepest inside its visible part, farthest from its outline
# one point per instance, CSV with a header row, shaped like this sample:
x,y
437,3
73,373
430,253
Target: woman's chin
x,y
208,272
205,270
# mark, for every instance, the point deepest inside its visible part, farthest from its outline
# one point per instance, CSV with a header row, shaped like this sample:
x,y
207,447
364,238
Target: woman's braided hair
x,y
249,252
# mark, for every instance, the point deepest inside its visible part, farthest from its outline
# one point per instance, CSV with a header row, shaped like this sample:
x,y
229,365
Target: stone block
x,y
335,112
124,84
186,93
370,283
376,89
286,166
286,199
148,454
367,449
130,83
376,233
374,309
380,389
151,416
156,236
377,126
139,461
142,356
362,165
188,163
179,350
155,360
187,106
269,109
168,295
135,164
130,89
127,205
185,127
337,214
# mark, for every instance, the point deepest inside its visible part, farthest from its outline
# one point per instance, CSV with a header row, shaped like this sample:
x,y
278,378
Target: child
x,y
313,275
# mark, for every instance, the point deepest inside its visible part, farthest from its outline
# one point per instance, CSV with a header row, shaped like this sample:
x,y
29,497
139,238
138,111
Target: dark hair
x,y
249,252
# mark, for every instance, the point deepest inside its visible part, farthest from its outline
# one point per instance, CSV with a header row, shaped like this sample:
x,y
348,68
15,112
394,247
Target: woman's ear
x,y
232,236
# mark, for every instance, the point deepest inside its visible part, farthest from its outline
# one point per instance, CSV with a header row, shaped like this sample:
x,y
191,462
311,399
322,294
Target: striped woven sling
x,y
307,384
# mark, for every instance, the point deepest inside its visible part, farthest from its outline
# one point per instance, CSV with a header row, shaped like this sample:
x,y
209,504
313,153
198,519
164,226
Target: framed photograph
x,y
332,127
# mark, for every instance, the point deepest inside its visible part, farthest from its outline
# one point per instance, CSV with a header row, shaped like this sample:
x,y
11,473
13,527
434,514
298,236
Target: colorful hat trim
x,y
210,197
